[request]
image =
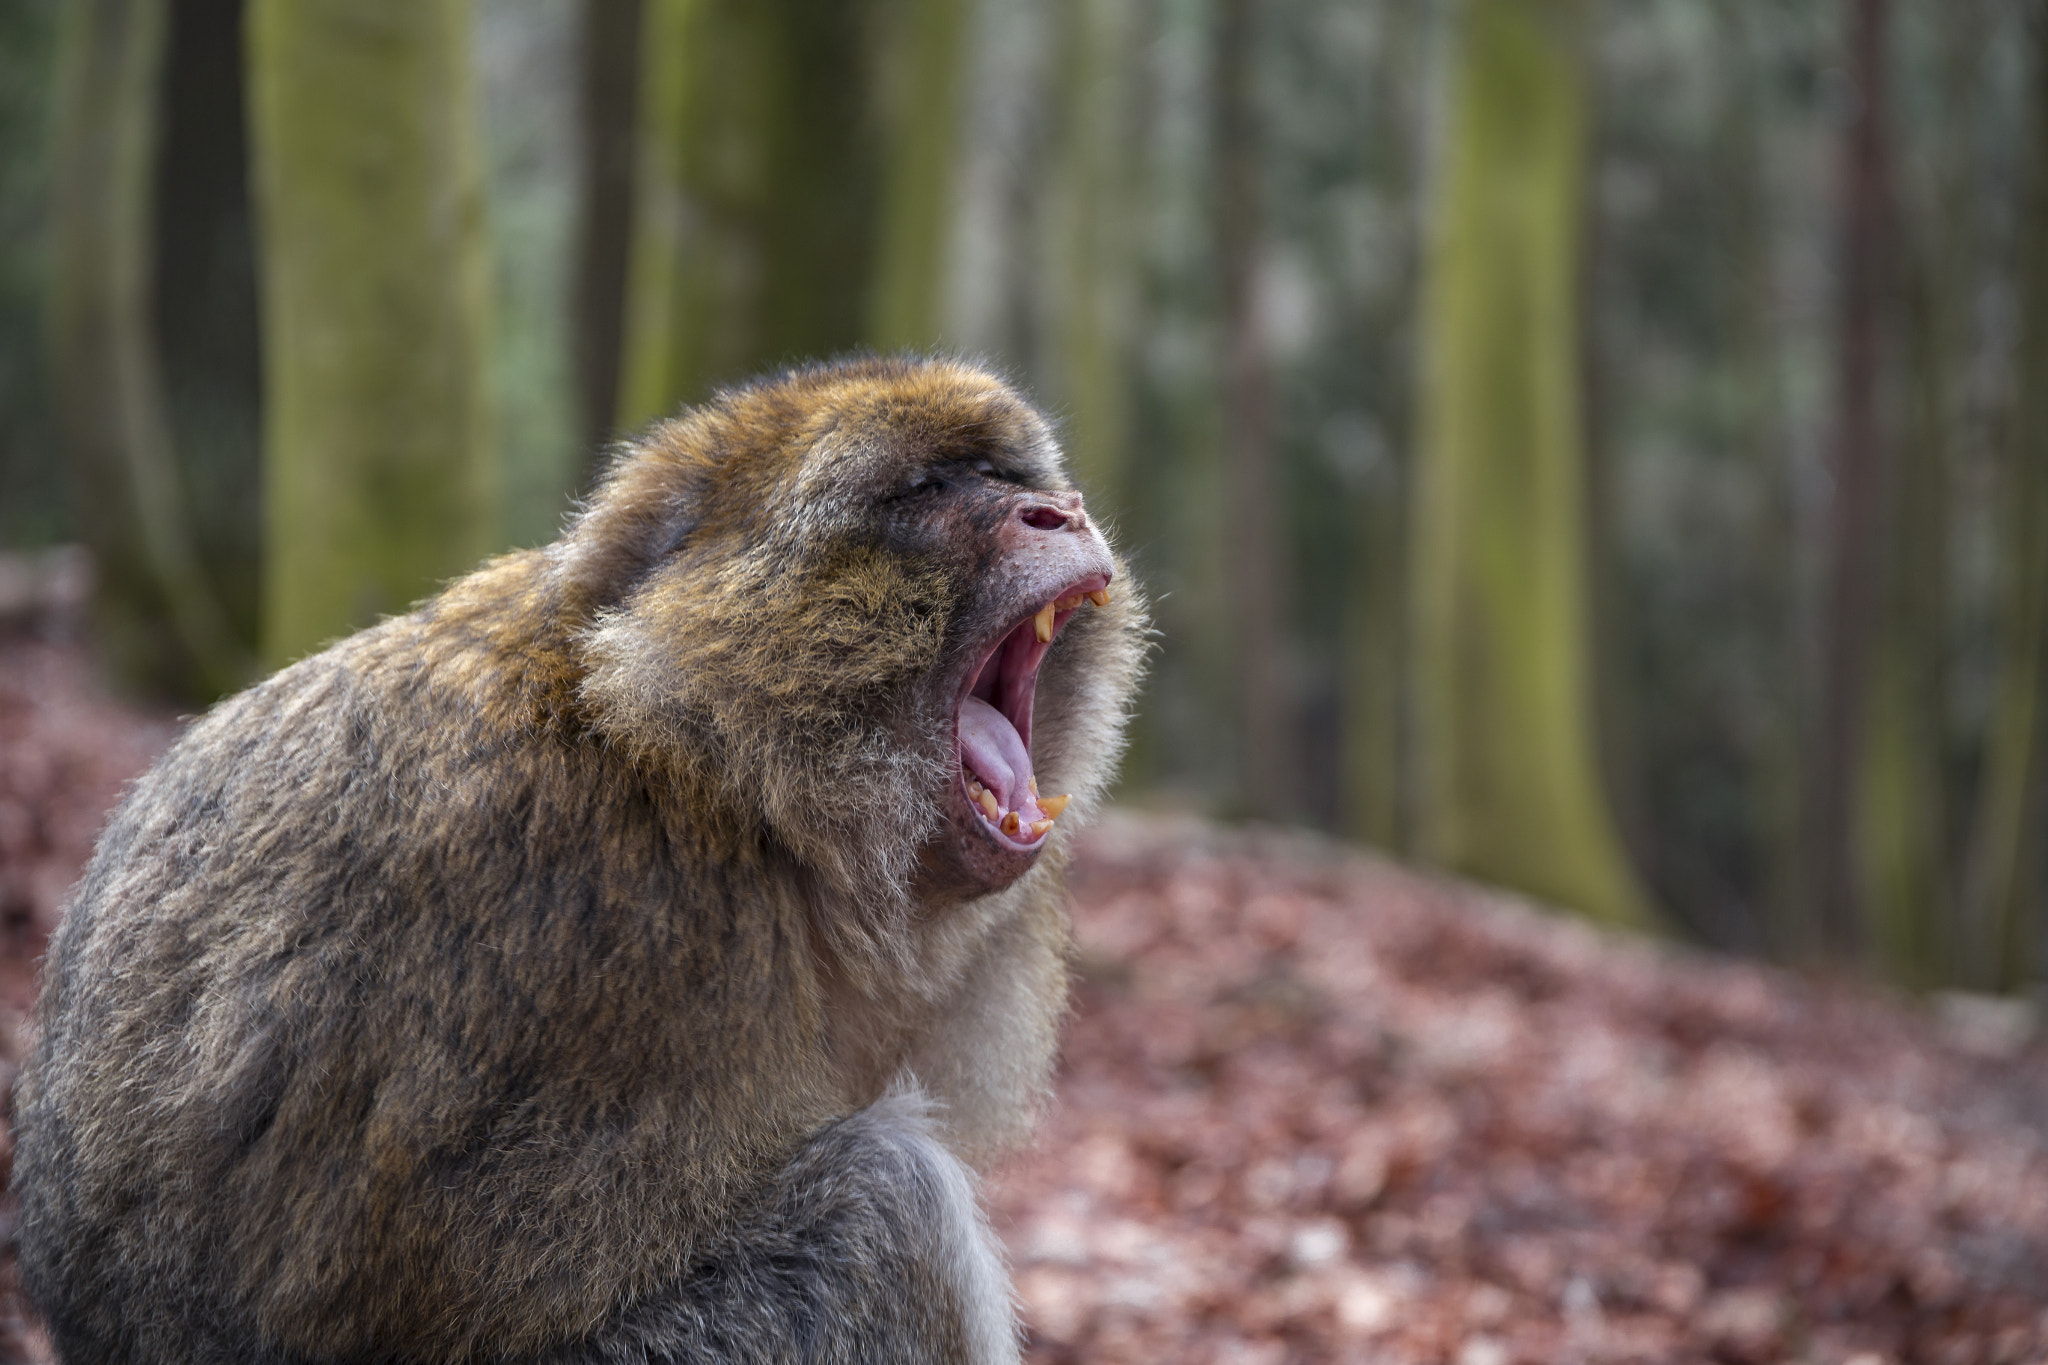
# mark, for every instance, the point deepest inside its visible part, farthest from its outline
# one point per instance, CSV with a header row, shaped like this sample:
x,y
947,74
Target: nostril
x,y
1043,518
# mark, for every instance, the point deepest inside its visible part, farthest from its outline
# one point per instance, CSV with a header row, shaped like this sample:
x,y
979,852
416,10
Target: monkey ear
x,y
788,702
644,510
674,537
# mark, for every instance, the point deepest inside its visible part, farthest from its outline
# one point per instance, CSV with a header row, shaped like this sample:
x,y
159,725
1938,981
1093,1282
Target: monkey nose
x,y
1065,514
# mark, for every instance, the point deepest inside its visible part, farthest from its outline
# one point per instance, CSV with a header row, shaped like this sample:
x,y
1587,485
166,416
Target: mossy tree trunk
x,y
161,621
1905,864
207,330
382,476
1268,770
2005,870
1508,781
1090,254
1852,545
755,197
1900,841
1376,785
608,78
1751,320
922,88
1374,697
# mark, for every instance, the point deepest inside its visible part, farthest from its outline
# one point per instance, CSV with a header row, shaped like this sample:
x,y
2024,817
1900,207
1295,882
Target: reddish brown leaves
x,y
1318,1108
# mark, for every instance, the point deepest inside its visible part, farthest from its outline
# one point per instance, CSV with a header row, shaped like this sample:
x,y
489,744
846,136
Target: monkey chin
x,y
996,821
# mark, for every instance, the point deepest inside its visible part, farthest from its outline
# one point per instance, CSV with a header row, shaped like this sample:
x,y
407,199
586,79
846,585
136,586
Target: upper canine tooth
x,y
1100,597
1053,805
1042,623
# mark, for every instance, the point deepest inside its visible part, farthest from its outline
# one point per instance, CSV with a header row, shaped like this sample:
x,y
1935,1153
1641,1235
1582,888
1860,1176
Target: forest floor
x,y
1315,1106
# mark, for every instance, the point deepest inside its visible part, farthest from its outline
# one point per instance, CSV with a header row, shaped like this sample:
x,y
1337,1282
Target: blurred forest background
x,y
1601,448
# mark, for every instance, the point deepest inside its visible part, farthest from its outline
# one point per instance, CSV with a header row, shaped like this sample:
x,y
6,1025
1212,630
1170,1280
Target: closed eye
x,y
925,486
989,469
954,474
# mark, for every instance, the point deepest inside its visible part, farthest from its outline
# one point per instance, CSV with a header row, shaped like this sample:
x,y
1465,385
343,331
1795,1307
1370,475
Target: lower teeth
x,y
1011,822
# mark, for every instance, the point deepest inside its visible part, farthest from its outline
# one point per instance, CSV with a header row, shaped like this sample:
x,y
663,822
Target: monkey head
x,y
861,607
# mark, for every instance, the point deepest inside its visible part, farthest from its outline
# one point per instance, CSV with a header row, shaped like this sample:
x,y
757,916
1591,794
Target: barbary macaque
x,y
633,953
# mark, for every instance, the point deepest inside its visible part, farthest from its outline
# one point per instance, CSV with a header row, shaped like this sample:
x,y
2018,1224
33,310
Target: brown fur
x,y
462,991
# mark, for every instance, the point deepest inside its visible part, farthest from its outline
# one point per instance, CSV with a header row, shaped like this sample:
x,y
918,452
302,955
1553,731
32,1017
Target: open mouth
x,y
994,723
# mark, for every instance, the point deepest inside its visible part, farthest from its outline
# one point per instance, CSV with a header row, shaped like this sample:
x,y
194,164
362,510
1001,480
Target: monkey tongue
x,y
994,752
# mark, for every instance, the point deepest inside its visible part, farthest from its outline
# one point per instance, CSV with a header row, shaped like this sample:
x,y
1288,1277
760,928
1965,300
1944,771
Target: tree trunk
x,y
382,477
205,309
929,53
1904,860
1092,281
160,620
1376,648
756,198
1509,785
1754,331
2005,867
1268,769
609,79
1852,523
1900,847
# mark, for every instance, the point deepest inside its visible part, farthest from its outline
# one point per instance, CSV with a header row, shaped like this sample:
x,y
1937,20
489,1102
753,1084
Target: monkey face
x,y
856,589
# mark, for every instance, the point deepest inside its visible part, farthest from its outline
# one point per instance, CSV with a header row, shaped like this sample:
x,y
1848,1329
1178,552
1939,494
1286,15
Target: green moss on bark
x,y
1509,786
381,473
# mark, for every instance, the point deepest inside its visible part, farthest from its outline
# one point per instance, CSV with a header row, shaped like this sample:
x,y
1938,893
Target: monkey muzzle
x,y
995,722
1052,563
